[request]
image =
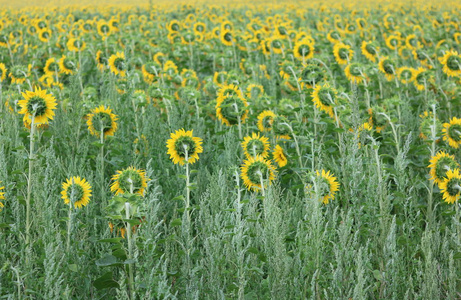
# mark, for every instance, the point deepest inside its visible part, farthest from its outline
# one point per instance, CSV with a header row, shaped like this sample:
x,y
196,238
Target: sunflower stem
x,y
130,247
429,211
102,161
69,224
187,204
29,184
263,191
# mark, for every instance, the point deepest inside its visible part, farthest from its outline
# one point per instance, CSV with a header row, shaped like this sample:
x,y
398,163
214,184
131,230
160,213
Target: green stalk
x,y
130,248
29,184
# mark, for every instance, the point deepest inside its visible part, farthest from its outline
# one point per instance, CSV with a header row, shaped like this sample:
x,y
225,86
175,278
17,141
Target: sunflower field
x,y
297,150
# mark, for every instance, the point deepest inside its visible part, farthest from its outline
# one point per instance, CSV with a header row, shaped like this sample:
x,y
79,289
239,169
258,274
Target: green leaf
x,y
105,282
176,222
107,261
178,198
112,240
73,267
377,275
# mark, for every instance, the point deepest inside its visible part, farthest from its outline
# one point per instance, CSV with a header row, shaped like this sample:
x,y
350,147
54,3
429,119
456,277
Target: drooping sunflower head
x,y
3,72
101,60
440,164
422,78
101,119
387,67
257,170
451,186
377,118
231,108
117,64
343,53
392,42
265,120
255,145
19,73
67,65
325,184
451,62
452,132
312,74
51,67
181,145
406,74
227,37
324,98
303,49
130,180
254,91
279,156
355,73
76,191
38,105
104,29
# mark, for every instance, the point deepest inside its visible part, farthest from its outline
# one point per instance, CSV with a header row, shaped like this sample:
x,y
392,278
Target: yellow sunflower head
x,y
324,98
451,62
2,196
355,73
406,74
38,105
101,119
326,185
369,50
76,191
452,132
67,65
304,49
265,120
450,186
387,67
279,156
117,64
440,164
255,145
343,53
231,108
129,180
181,145
257,171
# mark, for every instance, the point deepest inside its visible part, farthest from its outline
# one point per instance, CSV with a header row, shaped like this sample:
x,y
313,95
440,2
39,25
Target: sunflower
x,y
44,35
421,78
440,164
327,185
257,170
150,71
279,156
77,191
129,180
281,127
102,119
101,60
334,37
38,105
51,67
303,49
275,44
199,27
412,41
67,65
387,67
117,64
75,44
181,144
392,42
174,26
451,62
406,74
254,91
3,72
226,37
452,132
343,53
255,145
450,186
230,108
324,98
104,29
369,50
265,120
2,197
19,73
376,118
355,73
220,78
